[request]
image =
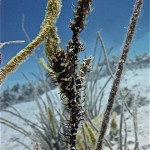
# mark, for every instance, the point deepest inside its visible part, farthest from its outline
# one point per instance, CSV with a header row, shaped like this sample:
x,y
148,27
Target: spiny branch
x,y
117,77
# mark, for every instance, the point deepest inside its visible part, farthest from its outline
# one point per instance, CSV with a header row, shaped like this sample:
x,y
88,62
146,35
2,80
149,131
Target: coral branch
x,y
52,12
117,77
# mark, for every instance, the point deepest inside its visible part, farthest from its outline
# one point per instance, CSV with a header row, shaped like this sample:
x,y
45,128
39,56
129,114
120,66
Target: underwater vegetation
x,y
64,69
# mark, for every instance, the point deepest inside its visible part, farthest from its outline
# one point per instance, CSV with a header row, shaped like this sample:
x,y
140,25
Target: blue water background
x,y
111,17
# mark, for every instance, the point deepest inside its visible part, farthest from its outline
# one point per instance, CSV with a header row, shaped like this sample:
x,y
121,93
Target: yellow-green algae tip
x,y
52,11
44,65
52,121
91,134
113,124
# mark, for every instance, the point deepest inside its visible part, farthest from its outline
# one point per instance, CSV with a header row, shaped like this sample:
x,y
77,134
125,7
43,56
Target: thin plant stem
x,y
23,28
11,42
125,131
105,53
136,147
121,125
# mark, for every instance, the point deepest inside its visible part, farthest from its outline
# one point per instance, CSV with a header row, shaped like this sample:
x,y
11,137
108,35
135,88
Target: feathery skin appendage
x,y
68,77
82,10
85,67
74,47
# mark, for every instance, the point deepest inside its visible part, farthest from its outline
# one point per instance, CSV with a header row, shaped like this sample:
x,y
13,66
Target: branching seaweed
x,y
47,29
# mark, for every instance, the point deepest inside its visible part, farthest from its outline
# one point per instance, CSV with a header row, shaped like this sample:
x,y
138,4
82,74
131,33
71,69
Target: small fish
x,y
36,147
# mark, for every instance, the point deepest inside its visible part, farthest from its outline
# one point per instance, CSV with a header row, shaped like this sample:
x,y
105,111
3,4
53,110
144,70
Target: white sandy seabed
x,y
137,80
